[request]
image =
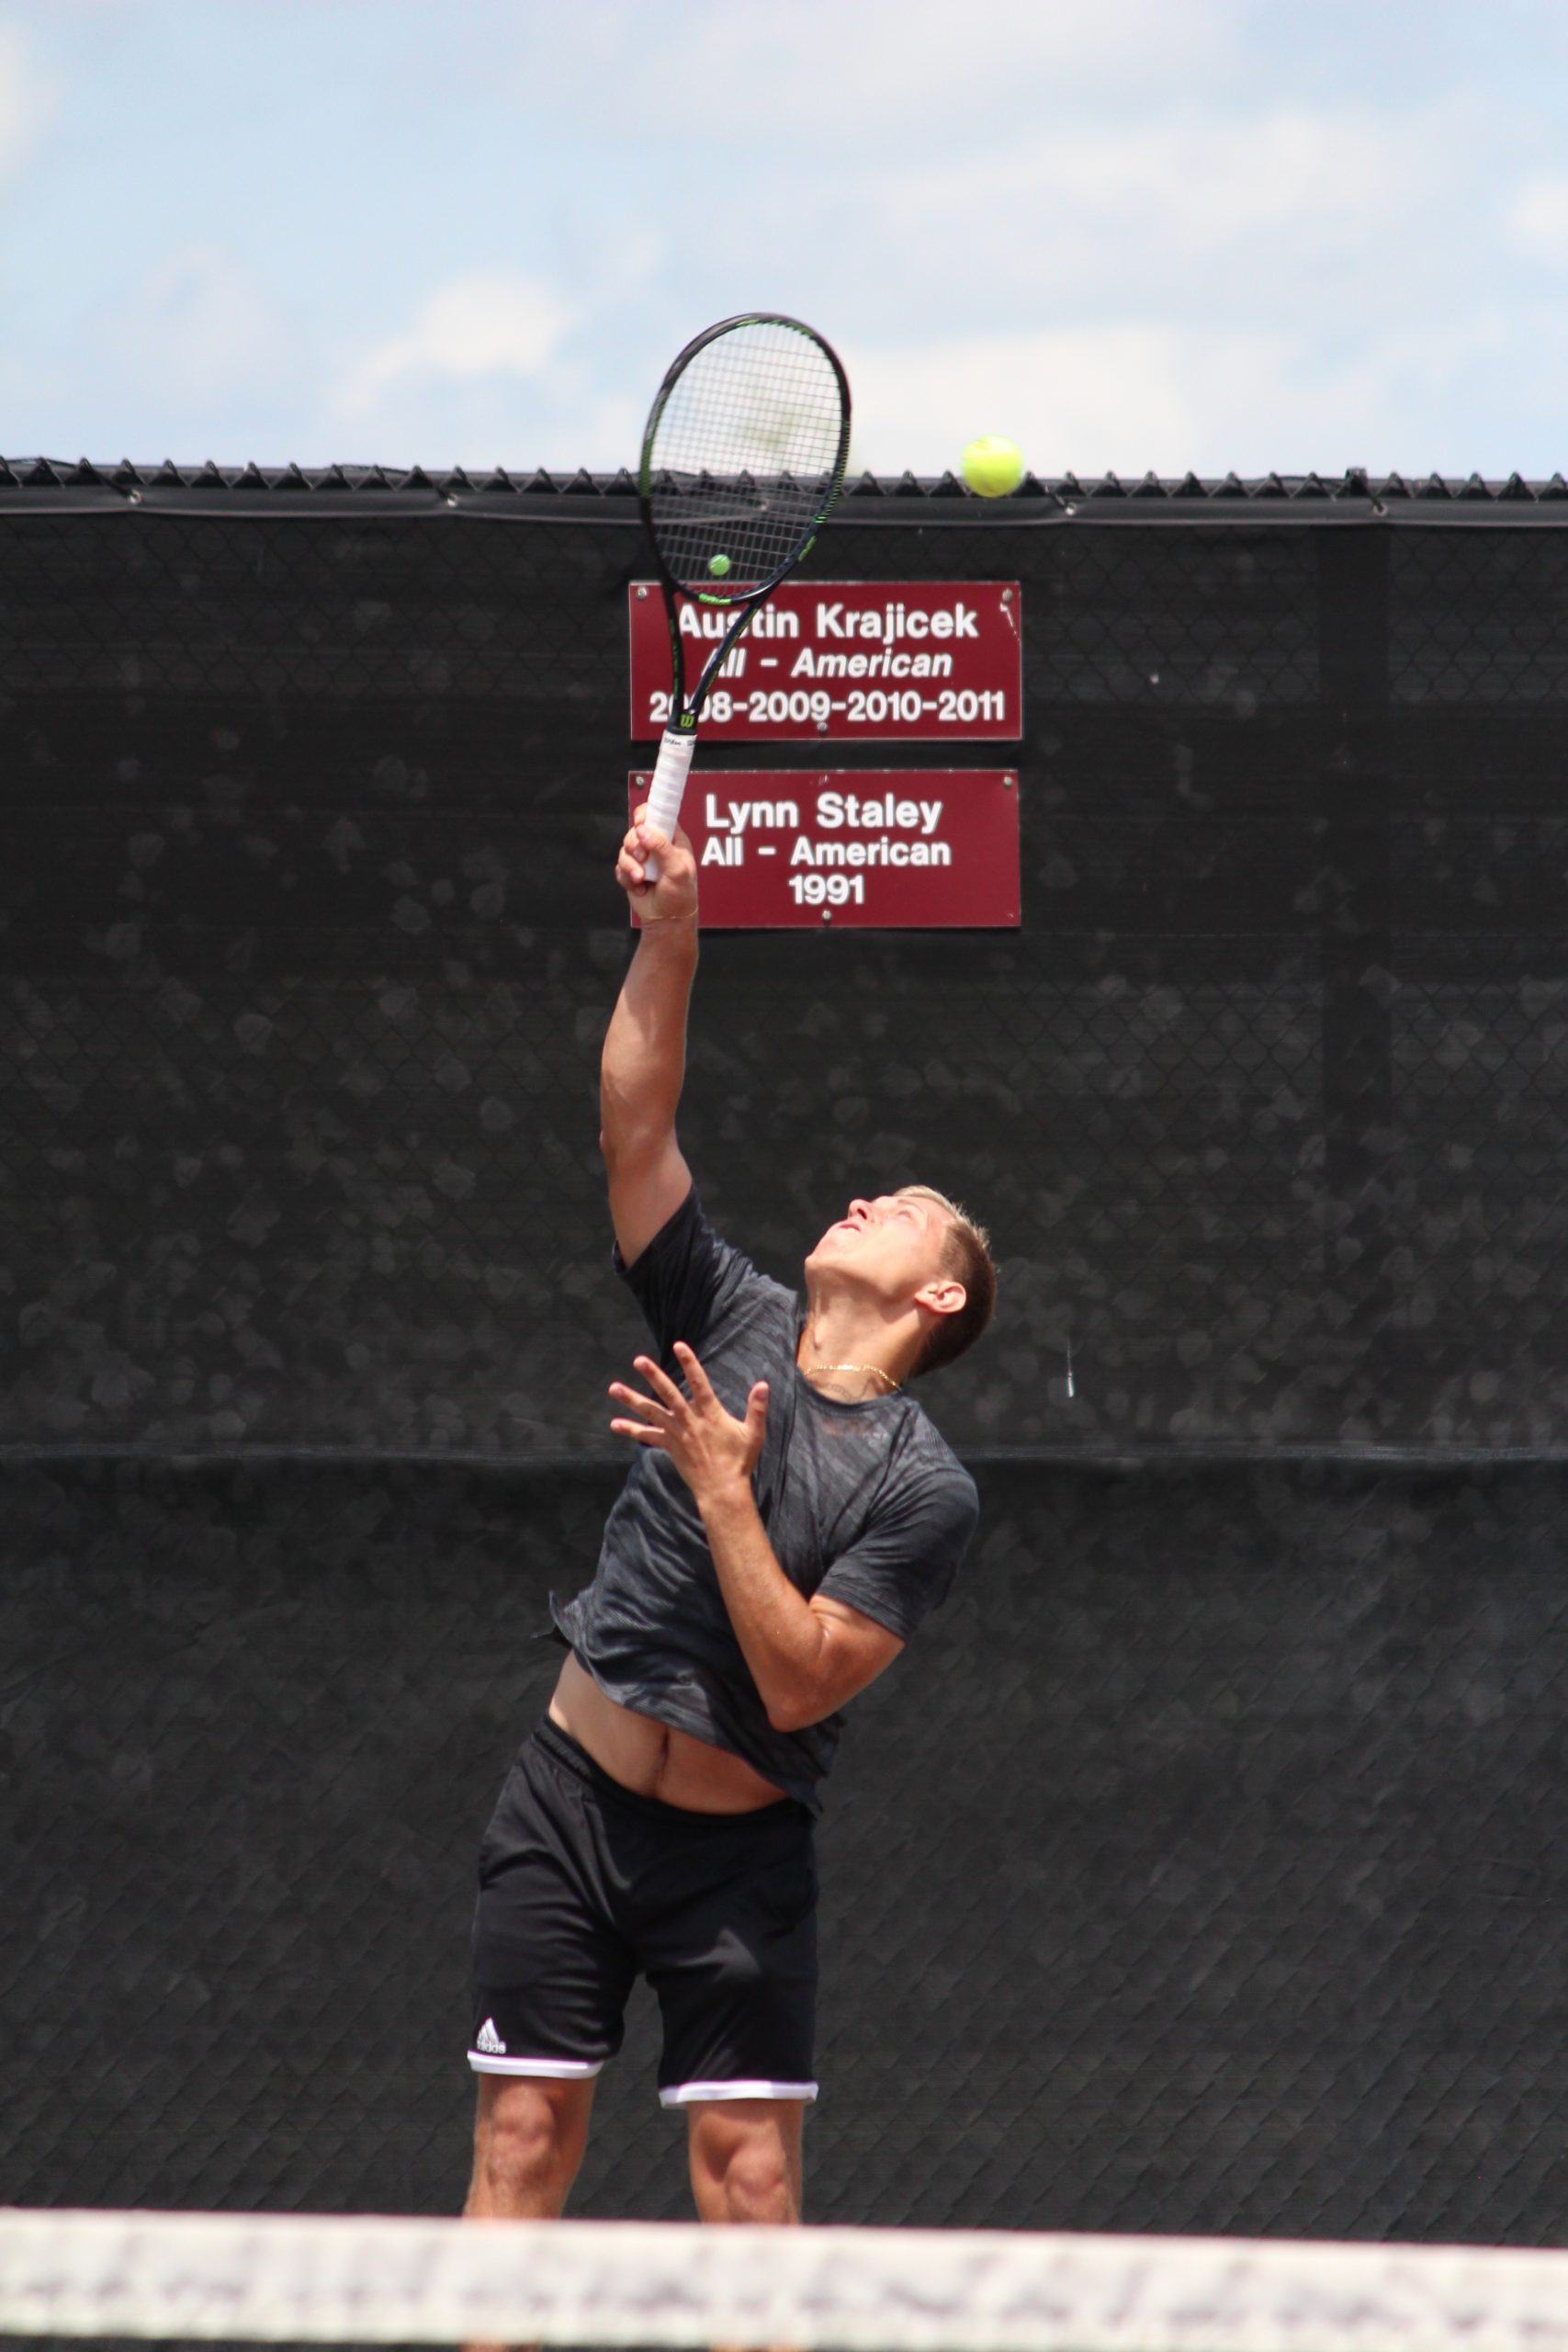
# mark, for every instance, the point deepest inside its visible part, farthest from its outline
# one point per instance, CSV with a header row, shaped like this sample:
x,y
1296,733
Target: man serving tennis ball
x,y
789,1518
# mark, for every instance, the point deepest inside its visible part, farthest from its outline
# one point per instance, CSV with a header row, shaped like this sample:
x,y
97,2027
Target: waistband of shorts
x,y
572,1757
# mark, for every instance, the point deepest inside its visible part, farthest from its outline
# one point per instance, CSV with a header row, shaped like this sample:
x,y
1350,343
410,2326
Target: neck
x,y
854,1355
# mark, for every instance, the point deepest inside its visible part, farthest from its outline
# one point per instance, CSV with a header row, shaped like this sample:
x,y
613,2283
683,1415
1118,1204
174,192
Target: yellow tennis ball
x,y
993,465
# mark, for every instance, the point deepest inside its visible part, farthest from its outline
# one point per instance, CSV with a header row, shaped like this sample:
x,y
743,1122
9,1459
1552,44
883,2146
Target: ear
x,y
942,1297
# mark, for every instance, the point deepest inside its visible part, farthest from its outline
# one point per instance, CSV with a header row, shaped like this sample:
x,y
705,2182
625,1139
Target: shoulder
x,y
921,1436
907,1550
690,1278
927,1470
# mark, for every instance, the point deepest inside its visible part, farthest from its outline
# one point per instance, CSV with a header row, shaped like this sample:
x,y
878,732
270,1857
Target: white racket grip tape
x,y
668,789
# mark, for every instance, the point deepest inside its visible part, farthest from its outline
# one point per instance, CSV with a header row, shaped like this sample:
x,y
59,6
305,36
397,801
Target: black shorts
x,y
584,1886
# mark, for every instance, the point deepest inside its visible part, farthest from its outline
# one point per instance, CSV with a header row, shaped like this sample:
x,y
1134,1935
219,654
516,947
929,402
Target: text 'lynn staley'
x,y
868,812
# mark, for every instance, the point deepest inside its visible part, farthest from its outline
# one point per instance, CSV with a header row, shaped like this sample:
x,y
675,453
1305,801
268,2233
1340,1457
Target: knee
x,y
526,2148
757,2186
519,2145
745,2174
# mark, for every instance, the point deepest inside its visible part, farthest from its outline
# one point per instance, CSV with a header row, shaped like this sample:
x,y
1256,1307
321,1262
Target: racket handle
x,y
668,789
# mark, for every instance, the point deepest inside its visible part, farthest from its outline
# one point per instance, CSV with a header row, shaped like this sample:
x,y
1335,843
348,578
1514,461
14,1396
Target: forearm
x,y
783,1640
807,1656
643,1064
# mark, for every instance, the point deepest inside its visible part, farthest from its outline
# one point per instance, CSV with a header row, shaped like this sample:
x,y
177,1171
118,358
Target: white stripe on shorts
x,y
563,2070
683,2094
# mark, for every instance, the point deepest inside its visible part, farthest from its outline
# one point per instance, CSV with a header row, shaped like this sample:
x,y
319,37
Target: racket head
x,y
743,455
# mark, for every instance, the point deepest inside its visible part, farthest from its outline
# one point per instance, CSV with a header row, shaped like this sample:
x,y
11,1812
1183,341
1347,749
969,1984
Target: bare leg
x,y
529,2135
745,2158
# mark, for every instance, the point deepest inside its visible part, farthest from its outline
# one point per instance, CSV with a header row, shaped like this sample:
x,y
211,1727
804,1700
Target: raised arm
x,y
644,1061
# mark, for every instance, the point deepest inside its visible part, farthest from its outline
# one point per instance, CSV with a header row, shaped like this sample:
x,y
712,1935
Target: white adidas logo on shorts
x,y
489,2041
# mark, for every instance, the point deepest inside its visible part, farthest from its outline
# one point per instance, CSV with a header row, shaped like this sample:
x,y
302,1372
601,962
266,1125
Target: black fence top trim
x,y
30,484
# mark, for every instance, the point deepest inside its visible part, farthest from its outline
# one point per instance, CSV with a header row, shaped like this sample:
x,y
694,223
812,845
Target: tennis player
x,y
790,1517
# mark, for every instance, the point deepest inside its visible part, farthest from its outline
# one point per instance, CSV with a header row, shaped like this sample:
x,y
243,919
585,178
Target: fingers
x,y
642,840
655,1415
650,836
631,868
640,1430
658,1380
668,1400
696,1378
625,1396
666,1413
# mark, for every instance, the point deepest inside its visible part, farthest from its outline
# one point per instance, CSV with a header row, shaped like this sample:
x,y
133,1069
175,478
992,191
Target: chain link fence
x,y
1201,1867
309,936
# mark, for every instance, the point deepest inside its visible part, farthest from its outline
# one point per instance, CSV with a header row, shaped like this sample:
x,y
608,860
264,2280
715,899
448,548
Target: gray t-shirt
x,y
864,1502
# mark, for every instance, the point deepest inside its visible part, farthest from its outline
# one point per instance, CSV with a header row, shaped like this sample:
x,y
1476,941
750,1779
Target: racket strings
x,y
745,456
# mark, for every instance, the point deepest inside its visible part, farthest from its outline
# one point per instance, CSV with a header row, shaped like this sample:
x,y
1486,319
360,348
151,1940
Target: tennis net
x,y
344,2280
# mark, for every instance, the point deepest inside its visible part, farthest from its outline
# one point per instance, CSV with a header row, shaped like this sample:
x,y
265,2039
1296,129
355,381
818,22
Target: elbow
x,y
806,1688
797,1711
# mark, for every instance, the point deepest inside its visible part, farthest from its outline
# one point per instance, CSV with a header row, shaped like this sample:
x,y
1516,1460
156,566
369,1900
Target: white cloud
x,y
487,324
1162,197
863,70
881,60
1270,290
568,420
1129,398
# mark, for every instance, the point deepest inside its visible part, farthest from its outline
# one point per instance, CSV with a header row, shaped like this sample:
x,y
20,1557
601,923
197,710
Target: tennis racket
x,y
743,457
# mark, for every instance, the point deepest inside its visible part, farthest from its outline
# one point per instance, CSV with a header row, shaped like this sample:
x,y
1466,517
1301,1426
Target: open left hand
x,y
711,1449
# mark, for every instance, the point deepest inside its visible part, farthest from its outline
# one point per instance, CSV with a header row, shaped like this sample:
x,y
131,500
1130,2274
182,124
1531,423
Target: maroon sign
x,y
896,848
855,660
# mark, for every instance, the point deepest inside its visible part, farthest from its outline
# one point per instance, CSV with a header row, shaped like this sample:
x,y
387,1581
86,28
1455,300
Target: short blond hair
x,y
967,1256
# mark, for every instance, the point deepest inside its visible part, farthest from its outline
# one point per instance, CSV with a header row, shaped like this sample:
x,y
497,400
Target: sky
x,y
1130,235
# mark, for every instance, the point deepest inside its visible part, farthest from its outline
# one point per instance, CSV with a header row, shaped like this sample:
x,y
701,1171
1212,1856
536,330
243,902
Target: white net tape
x,y
335,2280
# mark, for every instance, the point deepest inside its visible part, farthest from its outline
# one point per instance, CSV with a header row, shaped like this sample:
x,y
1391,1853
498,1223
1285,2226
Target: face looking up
x,y
893,1245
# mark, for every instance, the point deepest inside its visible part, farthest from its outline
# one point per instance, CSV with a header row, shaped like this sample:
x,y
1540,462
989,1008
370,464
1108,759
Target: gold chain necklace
x,y
874,1370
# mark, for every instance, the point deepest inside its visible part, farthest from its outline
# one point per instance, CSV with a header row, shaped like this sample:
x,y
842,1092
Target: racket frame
x,y
679,742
